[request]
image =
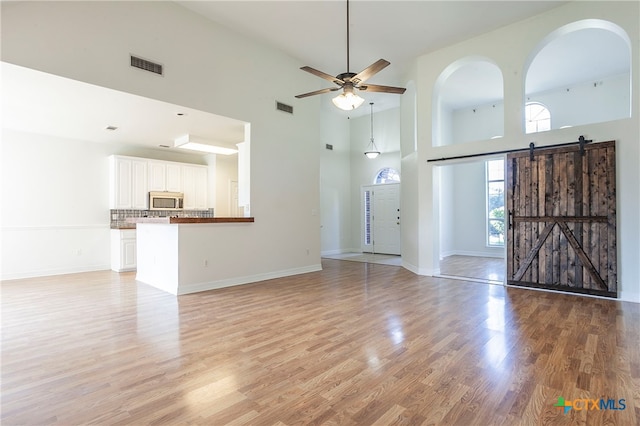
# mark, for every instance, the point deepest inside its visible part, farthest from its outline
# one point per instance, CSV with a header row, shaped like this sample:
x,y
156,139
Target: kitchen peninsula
x,y
183,255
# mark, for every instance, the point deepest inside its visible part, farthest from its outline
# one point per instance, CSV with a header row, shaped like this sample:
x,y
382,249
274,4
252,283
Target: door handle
x,y
509,219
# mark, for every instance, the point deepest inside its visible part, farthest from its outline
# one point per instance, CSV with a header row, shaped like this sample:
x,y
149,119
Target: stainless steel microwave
x,y
164,200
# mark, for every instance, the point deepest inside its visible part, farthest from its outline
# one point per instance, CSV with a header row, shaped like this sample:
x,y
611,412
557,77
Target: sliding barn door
x,y
561,207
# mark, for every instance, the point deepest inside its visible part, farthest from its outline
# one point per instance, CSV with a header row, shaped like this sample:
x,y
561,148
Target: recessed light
x,y
111,128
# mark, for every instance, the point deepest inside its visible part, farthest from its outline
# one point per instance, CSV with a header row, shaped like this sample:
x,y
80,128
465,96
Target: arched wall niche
x,y
468,102
582,73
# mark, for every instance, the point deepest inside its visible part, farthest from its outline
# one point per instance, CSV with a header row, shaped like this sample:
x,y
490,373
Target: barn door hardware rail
x,y
581,141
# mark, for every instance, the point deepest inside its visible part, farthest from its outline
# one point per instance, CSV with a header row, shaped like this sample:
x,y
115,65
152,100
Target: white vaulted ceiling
x,y
399,31
314,32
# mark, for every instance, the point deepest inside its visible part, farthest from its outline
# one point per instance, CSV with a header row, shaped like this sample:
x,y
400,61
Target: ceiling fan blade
x,y
317,92
385,89
372,69
322,75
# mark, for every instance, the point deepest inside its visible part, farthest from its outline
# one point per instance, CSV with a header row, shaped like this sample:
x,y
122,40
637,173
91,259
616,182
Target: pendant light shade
x,y
371,154
372,149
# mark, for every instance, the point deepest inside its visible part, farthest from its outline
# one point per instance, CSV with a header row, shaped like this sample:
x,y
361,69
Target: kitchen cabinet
x,y
165,176
123,250
194,180
128,183
132,178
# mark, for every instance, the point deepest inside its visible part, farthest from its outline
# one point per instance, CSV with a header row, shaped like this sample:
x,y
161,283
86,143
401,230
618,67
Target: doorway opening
x,y
471,222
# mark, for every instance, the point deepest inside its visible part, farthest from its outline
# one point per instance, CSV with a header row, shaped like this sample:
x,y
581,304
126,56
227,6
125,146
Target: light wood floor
x,y
356,343
487,269
382,259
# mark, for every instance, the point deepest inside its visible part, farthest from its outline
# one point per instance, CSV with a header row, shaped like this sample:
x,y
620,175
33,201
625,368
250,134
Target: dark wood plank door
x,y
561,208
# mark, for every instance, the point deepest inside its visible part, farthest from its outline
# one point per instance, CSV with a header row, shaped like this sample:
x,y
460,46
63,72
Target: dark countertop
x,y
186,220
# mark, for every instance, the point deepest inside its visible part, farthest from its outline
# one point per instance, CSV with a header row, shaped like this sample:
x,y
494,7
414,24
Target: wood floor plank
x,y
355,343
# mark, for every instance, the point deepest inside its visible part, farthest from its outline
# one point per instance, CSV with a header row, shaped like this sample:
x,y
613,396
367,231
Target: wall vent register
x,y
284,107
146,65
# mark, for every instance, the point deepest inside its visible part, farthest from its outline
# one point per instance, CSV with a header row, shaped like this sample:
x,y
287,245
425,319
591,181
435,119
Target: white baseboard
x,y
212,285
55,271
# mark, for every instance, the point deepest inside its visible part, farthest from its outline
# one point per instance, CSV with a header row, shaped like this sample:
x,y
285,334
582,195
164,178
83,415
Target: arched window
x,y
538,117
387,175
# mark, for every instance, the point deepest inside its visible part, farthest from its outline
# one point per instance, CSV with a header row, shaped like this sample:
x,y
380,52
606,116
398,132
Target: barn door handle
x,y
510,217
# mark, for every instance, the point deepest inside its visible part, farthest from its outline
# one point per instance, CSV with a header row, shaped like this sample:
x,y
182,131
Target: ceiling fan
x,y
348,81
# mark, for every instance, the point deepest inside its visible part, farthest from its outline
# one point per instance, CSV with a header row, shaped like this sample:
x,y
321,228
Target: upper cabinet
x,y
195,187
132,178
165,176
128,183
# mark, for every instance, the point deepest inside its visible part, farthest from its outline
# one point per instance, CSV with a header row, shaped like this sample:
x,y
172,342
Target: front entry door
x,y
381,219
561,207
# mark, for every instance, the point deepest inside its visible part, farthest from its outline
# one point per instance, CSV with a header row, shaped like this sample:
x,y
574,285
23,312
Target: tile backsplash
x,y
119,216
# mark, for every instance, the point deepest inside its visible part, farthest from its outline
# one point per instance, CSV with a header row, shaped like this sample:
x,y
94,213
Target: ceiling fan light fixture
x,y
347,101
348,81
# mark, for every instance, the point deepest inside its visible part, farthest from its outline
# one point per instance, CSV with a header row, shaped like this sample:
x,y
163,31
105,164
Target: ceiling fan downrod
x,y
348,70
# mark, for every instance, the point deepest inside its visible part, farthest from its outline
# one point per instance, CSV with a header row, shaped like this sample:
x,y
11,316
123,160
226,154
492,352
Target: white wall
x,y
446,211
386,132
55,208
476,123
345,169
509,48
335,181
463,211
579,104
587,103
91,42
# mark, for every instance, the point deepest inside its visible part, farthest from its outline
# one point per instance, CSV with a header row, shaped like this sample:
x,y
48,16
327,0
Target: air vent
x,y
143,64
284,107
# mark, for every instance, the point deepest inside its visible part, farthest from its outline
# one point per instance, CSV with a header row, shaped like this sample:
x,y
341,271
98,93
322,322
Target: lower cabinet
x,y
123,250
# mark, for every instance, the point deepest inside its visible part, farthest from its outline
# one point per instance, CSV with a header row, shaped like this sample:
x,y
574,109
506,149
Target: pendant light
x,y
372,149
